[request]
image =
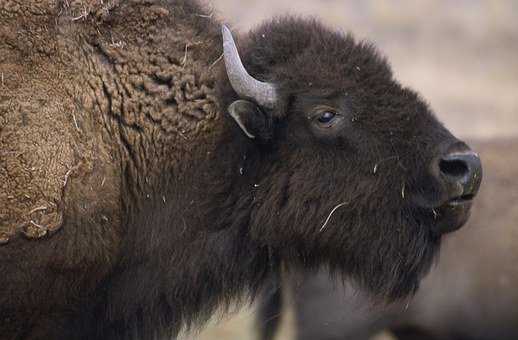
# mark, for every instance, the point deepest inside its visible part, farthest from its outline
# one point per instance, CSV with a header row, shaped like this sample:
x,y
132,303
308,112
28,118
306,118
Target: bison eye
x,y
325,120
326,117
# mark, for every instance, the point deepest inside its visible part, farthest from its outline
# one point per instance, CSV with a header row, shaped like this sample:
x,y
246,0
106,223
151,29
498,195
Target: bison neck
x,y
186,191
188,241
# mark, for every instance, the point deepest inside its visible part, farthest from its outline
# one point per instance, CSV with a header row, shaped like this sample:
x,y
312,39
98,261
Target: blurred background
x,y
461,55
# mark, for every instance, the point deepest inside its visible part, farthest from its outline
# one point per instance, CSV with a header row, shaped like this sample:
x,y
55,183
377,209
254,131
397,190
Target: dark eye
x,y
326,117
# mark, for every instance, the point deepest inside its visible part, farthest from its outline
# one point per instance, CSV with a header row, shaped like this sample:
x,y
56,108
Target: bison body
x,y
145,182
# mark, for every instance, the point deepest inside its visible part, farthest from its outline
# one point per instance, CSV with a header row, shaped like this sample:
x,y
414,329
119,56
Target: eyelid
x,y
323,108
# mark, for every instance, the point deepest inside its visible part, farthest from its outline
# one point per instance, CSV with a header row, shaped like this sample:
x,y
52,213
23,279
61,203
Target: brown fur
x,y
61,121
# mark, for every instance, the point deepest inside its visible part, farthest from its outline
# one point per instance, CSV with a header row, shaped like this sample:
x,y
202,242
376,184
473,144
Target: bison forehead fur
x,y
132,204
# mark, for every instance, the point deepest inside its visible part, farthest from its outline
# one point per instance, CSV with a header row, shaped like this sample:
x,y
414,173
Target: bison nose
x,y
461,169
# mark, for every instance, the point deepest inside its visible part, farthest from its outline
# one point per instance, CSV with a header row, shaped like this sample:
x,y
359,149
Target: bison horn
x,y
246,86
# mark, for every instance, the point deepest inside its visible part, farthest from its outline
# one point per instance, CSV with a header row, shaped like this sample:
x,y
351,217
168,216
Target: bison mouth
x,y
453,214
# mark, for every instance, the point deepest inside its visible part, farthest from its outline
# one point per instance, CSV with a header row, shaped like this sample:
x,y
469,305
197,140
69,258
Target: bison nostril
x,y
453,167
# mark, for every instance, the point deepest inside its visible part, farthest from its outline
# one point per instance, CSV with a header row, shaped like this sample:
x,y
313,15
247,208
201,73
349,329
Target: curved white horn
x,y
246,86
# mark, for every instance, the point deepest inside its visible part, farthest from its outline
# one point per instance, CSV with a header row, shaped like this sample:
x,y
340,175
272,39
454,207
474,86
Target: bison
x,y
470,294
153,171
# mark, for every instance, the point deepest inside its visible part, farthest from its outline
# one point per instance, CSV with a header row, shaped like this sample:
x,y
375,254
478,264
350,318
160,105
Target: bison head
x,y
352,169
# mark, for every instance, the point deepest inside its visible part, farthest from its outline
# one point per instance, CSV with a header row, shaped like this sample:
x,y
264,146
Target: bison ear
x,y
251,119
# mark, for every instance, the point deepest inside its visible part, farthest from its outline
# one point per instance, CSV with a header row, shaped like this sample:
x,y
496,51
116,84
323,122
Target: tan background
x,y
462,56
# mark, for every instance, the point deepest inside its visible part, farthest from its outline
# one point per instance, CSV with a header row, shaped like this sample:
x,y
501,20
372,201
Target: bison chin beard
x,y
394,274
388,266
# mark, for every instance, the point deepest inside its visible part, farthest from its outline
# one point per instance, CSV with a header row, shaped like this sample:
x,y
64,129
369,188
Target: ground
x,y
461,56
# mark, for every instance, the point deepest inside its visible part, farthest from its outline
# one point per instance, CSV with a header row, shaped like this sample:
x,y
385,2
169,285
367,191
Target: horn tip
x,y
225,30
